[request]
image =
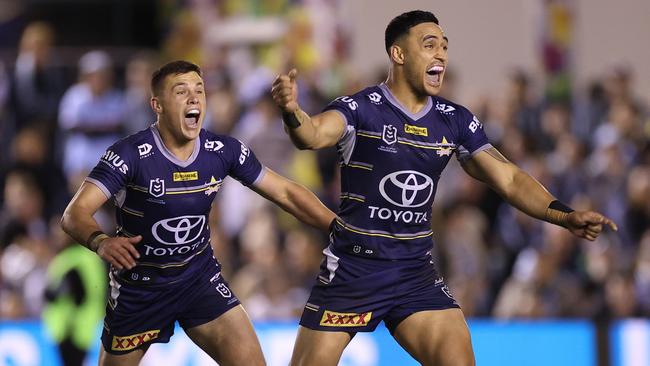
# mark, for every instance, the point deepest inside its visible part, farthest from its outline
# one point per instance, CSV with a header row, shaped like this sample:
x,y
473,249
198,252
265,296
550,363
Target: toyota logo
x,y
406,188
178,230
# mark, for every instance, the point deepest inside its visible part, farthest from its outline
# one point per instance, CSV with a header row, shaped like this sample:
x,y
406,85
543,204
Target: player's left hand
x,y
588,224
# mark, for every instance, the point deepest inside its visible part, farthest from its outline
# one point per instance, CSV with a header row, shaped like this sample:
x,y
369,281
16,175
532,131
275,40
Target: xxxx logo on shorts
x,y
333,319
130,342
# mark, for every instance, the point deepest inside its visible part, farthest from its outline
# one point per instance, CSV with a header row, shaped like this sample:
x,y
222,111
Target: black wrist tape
x,y
559,206
291,120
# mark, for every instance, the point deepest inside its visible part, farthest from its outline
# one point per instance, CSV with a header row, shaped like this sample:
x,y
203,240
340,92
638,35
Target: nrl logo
x,y
224,290
157,187
389,136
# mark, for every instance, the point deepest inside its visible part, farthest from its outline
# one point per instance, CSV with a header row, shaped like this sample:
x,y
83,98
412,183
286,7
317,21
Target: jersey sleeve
x,y
348,107
472,136
244,164
114,169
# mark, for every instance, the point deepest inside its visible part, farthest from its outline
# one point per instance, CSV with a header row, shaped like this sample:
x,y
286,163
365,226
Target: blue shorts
x,y
354,294
137,316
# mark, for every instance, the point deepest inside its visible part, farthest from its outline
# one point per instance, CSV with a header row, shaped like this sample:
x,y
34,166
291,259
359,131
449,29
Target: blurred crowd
x,y
591,150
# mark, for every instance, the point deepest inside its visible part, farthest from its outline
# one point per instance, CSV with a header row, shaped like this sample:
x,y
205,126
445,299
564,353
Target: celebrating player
x,y
394,141
163,180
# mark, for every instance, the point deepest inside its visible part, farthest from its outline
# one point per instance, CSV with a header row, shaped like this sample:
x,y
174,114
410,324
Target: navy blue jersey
x,y
391,161
167,201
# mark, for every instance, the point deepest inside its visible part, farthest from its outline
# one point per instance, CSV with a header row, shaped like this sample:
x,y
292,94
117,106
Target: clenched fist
x,y
285,92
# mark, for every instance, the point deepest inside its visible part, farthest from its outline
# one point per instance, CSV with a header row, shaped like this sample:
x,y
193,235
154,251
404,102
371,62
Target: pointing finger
x,y
610,223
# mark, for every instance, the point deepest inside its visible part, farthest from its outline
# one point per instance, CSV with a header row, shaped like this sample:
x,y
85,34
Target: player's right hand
x,y
588,224
119,251
285,91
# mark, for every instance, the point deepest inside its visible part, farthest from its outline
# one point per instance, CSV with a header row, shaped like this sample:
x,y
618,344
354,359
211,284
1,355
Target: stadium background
x,y
562,87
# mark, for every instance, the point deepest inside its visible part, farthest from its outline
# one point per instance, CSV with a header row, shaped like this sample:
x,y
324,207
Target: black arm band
x,y
559,206
92,237
291,120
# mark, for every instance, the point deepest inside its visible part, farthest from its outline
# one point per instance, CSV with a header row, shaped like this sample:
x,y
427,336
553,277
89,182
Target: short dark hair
x,y
401,24
171,68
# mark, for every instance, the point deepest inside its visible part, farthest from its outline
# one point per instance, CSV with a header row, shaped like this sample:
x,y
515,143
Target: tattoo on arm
x,y
493,152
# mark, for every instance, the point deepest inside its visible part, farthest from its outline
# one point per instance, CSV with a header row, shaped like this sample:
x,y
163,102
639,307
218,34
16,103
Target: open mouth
x,y
192,118
434,74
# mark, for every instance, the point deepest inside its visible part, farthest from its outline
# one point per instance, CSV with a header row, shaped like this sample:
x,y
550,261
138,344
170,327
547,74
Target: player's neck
x,y
404,94
182,150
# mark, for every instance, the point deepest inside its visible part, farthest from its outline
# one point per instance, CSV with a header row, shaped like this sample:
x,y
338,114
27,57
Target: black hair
x,y
171,68
401,24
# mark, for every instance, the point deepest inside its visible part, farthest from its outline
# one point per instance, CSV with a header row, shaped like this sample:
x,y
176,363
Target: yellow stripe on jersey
x,y
367,233
426,147
194,190
366,135
359,166
352,198
132,212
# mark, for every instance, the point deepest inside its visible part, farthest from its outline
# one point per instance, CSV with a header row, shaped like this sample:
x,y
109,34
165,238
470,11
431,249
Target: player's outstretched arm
x,y
528,195
78,222
306,132
295,199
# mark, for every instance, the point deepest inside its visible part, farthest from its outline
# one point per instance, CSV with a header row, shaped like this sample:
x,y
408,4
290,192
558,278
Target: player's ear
x,y
155,105
397,54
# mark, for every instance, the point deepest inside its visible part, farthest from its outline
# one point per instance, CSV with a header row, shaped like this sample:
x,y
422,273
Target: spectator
x,y
38,82
138,95
92,114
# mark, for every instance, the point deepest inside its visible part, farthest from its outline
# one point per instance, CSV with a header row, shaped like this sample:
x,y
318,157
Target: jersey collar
x,y
414,116
167,154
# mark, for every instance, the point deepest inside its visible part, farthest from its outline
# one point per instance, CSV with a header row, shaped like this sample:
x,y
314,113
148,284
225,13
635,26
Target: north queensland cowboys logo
x,y
389,135
157,187
406,188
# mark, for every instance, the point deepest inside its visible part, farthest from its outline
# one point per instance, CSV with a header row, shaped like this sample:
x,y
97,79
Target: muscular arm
x,y
316,132
513,184
295,199
78,222
528,195
306,132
